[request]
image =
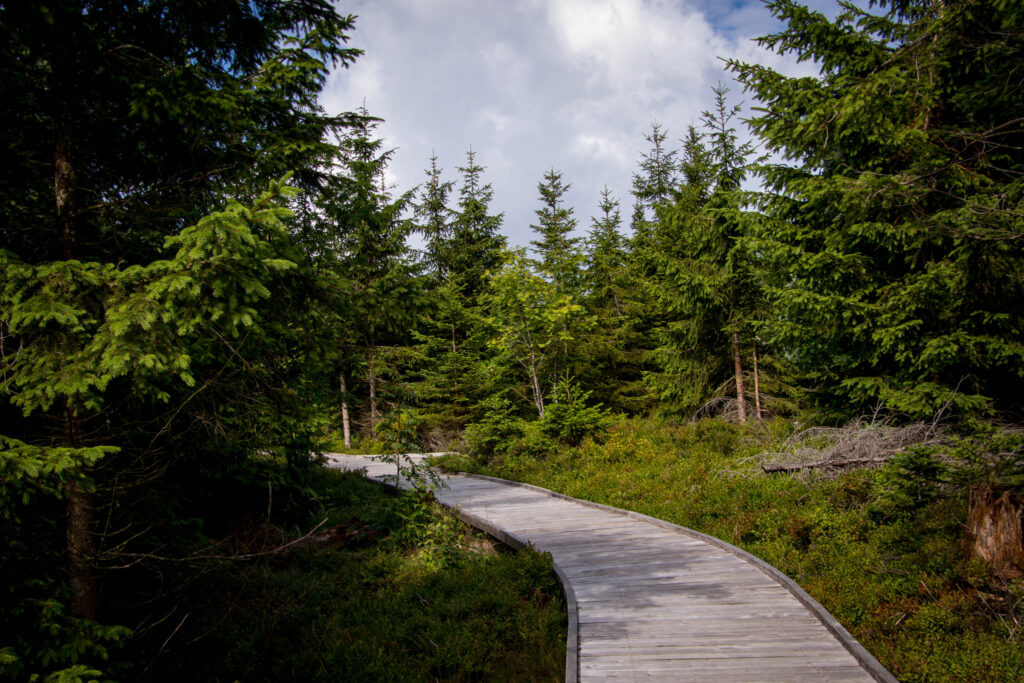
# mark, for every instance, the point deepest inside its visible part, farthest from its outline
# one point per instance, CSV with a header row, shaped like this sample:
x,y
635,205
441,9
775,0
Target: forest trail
x,y
649,600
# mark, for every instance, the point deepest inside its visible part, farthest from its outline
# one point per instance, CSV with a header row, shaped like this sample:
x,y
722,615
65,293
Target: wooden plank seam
x,y
859,652
867,661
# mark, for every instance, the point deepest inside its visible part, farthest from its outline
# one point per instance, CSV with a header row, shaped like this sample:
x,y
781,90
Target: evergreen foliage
x,y
654,185
435,221
375,260
156,112
610,362
558,250
893,242
451,342
704,282
606,258
199,266
477,243
156,335
186,364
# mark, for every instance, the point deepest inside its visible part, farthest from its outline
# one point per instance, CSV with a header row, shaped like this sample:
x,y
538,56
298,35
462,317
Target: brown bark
x,y
994,530
455,376
346,427
80,504
84,599
757,387
80,546
372,377
64,192
741,397
615,296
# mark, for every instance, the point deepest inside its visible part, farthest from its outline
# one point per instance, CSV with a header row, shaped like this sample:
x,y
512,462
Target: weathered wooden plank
x,y
654,602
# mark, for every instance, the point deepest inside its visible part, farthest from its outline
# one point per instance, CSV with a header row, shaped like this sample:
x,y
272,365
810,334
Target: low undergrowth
x,y
399,590
879,549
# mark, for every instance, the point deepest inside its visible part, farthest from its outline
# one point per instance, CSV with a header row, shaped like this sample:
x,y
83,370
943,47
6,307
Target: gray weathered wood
x,y
652,601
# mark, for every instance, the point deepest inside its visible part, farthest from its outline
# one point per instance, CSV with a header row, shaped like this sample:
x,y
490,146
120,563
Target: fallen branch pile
x,y
857,444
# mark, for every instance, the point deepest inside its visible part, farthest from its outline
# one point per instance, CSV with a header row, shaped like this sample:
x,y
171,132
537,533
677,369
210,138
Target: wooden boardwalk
x,y
649,600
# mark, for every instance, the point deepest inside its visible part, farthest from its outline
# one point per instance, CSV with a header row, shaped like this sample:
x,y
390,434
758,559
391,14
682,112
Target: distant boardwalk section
x,y
649,600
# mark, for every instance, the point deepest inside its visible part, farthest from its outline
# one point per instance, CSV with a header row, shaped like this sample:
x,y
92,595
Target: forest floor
x,y
880,550
401,590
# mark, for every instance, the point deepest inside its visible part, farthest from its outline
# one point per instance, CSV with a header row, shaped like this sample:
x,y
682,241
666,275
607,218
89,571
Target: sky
x,y
533,85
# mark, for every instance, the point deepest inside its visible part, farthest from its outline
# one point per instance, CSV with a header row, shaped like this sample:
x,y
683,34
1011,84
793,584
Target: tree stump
x,y
994,529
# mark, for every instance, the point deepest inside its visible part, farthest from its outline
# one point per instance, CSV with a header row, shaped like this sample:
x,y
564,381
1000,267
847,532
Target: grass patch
x,y
892,573
406,592
361,444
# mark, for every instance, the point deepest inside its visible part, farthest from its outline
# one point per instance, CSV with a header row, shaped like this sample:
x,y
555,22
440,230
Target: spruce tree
x,y
704,280
654,187
606,258
608,362
147,346
558,251
154,113
435,221
654,184
894,237
375,260
450,344
477,242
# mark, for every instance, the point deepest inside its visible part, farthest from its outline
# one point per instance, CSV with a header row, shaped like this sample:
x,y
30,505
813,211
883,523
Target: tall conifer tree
x,y
451,345
137,294
375,259
894,239
435,218
477,242
608,363
558,251
654,184
704,281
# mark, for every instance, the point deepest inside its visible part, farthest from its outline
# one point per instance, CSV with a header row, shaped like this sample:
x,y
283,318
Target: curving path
x,y
649,600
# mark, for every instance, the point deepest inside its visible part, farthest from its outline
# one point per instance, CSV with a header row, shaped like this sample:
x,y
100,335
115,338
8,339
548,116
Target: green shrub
x,y
568,419
495,431
879,548
406,592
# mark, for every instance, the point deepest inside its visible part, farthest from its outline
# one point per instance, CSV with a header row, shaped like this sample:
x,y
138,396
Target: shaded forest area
x,y
205,282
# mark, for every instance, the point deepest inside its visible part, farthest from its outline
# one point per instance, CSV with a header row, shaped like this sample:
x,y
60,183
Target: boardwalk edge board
x,y
859,652
864,658
572,645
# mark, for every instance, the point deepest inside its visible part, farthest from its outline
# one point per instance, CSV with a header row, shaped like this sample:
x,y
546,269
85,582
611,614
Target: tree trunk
x,y
372,377
346,428
84,600
741,397
615,296
80,546
80,541
455,374
538,395
757,386
994,529
64,192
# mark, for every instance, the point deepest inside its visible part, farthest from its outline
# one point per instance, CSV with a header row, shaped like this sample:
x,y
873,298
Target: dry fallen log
x,y
771,468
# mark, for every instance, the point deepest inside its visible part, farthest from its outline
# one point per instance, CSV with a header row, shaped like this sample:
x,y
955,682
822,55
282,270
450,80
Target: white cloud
x,y
599,148
535,84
